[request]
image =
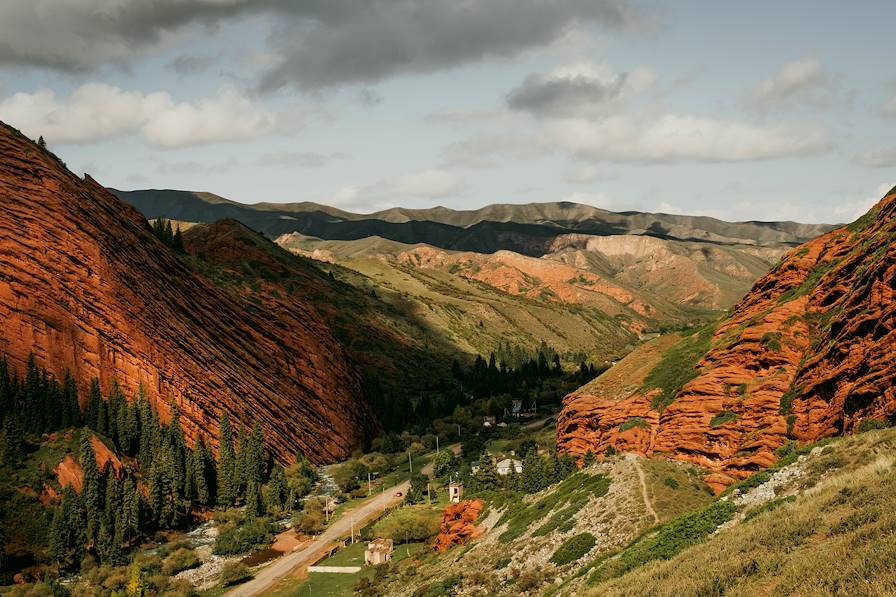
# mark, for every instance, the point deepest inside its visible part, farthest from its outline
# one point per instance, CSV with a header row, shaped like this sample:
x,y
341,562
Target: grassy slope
x,y
837,537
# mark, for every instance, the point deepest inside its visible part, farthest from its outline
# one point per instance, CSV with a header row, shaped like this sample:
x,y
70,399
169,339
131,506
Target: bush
x,y
234,573
252,534
678,366
409,525
573,549
180,560
872,424
634,422
672,538
722,418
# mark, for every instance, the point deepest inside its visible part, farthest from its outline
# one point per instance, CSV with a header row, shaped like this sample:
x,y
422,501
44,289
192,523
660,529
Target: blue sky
x,y
741,111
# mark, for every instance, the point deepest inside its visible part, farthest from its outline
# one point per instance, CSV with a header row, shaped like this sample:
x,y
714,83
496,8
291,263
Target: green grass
x,y
722,418
632,422
671,539
569,497
573,549
678,366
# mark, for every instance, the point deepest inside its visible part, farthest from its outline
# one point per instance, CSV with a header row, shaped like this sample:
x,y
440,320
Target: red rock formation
x,y
85,286
810,352
458,524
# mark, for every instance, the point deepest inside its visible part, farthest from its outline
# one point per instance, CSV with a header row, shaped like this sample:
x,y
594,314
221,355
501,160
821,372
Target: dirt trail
x,y
647,502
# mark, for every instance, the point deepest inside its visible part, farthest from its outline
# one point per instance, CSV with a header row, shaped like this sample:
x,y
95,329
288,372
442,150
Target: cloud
x,y
889,109
676,138
799,82
299,159
194,167
428,184
579,89
95,111
479,151
849,210
877,158
586,174
349,42
314,43
191,65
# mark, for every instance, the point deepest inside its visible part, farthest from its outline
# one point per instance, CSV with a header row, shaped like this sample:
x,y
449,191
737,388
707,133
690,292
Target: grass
x,y
678,366
722,418
671,539
573,549
837,539
674,487
632,422
566,499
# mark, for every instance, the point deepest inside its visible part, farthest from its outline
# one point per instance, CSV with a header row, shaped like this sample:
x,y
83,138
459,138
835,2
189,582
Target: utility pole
x,y
437,443
352,521
368,483
410,464
428,501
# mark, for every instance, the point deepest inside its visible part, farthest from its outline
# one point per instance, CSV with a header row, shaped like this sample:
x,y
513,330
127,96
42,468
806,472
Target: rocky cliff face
x,y
809,352
458,524
86,287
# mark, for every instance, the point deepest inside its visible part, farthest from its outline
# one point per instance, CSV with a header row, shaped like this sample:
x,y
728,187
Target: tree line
x,y
160,482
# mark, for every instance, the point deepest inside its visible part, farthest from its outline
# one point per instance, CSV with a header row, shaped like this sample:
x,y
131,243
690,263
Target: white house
x,y
504,466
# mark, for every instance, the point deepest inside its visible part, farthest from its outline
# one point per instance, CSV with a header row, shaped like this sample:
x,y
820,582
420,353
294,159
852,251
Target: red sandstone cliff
x,y
85,286
809,352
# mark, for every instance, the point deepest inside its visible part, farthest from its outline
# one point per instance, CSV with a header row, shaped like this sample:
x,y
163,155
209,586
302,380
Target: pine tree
x,y
226,464
589,458
41,143
94,399
276,494
254,503
130,521
11,450
91,490
201,469
487,476
70,398
178,242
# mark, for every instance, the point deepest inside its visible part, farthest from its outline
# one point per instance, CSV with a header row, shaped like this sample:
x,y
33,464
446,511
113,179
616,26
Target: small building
x,y
504,466
474,467
379,551
516,408
455,491
488,421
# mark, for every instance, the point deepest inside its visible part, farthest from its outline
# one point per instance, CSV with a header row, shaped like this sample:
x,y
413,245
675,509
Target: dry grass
x,y
837,538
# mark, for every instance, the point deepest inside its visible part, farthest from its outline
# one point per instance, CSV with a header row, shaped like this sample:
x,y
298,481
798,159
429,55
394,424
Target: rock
x,y
86,287
458,524
808,353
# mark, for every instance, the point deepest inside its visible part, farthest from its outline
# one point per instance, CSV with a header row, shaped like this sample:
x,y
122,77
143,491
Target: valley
x,y
616,404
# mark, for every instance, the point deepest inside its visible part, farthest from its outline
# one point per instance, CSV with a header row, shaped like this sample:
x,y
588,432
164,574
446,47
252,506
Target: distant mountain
x,y
807,353
529,229
86,287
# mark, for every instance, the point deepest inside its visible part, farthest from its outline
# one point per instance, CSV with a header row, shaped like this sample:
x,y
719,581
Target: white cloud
x,y
586,174
429,184
877,158
601,200
672,137
96,111
798,82
426,184
889,109
851,209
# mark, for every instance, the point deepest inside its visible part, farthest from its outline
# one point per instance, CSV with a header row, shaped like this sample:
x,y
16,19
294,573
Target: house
x,y
504,466
379,551
516,408
474,467
455,492
488,421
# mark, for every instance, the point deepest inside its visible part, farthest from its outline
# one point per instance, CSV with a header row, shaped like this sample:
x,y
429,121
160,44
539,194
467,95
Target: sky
x,y
742,111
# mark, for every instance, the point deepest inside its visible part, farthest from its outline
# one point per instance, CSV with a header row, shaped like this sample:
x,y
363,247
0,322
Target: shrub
x,y
573,549
872,424
722,418
670,482
409,525
251,534
181,559
672,538
234,573
633,422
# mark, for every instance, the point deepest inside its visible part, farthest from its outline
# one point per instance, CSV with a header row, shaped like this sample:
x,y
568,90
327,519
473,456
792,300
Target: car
x,y
398,494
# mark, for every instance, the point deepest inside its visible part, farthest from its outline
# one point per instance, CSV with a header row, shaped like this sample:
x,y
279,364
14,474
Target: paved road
x,y
268,576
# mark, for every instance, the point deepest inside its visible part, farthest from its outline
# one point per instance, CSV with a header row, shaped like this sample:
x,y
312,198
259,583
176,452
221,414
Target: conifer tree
x,y
91,490
254,503
178,242
276,494
487,476
70,398
13,441
226,464
200,469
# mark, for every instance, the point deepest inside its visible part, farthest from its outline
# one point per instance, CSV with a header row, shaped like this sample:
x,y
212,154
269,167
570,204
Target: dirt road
x,y
268,576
